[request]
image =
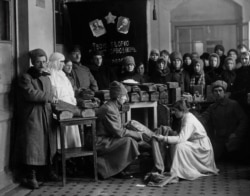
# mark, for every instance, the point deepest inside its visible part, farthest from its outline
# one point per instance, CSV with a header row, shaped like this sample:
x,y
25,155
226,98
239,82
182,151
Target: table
x,y
144,105
79,151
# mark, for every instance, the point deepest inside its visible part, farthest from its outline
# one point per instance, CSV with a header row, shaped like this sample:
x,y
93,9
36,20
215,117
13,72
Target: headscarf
x,y
54,61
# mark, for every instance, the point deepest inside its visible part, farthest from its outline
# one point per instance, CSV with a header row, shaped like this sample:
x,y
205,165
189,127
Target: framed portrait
x,y
97,28
123,25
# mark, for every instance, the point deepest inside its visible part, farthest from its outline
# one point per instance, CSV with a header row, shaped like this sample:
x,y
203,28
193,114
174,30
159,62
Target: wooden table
x,y
144,105
79,151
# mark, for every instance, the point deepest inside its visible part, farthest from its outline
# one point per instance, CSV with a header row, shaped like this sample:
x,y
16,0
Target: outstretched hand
x,y
146,138
159,138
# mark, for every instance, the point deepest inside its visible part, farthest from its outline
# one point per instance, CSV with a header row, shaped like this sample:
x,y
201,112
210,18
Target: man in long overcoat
x,y
117,146
37,139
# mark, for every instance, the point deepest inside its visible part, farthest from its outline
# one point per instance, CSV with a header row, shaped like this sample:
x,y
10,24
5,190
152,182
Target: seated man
x,y
116,146
101,72
81,74
226,121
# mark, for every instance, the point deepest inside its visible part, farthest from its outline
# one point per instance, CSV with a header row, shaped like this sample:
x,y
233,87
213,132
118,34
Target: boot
x,y
30,181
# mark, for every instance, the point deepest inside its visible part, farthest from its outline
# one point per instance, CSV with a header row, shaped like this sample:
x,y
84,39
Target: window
x,y
203,38
4,20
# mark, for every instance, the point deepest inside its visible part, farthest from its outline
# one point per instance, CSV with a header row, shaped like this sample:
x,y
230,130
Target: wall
x,y
41,26
33,28
159,31
203,10
181,11
7,72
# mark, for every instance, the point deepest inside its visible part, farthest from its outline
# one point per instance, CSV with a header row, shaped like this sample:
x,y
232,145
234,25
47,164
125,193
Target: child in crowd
x,y
154,55
241,48
213,72
228,75
205,58
162,74
140,69
195,55
129,72
187,63
177,73
233,53
219,49
165,55
198,77
241,85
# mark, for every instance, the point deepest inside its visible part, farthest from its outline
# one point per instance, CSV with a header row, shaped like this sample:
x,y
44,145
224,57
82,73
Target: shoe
x,y
30,183
124,175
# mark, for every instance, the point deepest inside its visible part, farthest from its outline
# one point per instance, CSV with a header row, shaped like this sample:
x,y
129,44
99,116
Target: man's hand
x,y
146,138
55,100
159,138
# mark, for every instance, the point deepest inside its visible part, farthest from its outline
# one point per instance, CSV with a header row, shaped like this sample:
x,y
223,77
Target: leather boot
x,y
30,181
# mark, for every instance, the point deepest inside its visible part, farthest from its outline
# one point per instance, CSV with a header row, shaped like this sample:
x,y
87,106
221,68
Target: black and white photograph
x,y
124,97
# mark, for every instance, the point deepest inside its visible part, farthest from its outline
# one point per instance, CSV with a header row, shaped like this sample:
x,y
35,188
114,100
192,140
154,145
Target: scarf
x,y
200,81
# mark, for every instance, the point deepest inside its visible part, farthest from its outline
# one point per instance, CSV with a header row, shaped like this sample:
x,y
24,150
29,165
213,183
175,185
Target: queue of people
x,y
199,141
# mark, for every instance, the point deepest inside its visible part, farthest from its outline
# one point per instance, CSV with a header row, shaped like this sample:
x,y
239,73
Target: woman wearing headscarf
x,y
63,90
162,73
198,76
213,73
177,73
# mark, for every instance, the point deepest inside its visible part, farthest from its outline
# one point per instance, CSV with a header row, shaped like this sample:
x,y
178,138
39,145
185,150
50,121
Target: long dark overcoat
x,y
37,140
117,146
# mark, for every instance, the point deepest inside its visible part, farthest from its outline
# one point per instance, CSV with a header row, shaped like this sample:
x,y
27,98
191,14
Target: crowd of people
x,y
56,78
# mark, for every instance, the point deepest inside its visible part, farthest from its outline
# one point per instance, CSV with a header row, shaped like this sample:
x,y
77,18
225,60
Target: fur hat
x,y
127,60
161,59
56,56
219,83
176,55
33,54
117,89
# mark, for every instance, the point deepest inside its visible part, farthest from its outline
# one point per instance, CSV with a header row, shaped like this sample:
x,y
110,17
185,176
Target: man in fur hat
x,y
225,121
116,146
37,140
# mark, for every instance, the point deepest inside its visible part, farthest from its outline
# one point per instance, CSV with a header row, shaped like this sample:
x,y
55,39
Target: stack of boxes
x,y
87,102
